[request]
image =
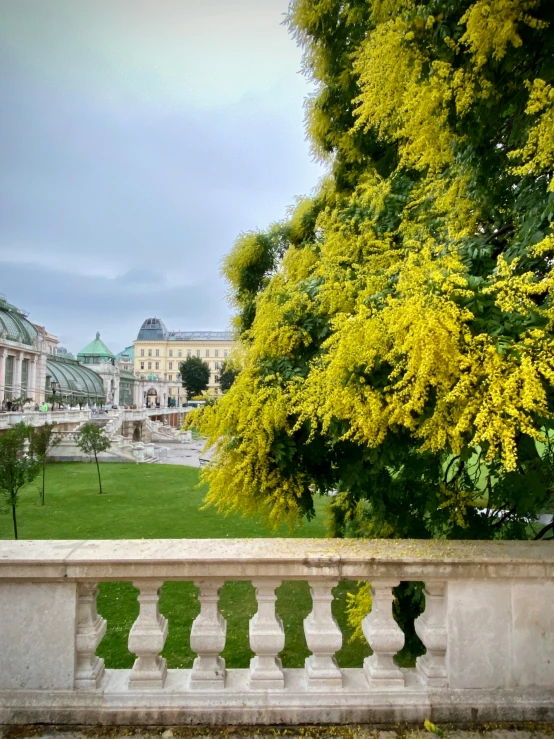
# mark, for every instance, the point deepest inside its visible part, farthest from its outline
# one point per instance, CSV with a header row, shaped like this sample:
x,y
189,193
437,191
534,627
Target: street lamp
x,y
53,386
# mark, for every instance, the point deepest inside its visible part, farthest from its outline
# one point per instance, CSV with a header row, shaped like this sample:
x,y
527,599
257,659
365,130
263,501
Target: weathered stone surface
x,y
37,635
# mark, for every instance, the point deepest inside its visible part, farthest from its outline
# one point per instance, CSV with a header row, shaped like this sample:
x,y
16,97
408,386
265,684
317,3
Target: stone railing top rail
x,y
237,559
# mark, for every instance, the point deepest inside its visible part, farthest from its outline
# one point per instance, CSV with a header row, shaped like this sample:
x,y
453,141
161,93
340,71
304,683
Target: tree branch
x,y
545,530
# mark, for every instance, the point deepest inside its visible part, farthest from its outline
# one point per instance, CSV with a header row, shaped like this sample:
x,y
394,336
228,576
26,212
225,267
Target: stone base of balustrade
x,y
115,703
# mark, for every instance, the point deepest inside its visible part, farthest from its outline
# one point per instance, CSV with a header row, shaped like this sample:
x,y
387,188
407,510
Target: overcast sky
x,y
139,138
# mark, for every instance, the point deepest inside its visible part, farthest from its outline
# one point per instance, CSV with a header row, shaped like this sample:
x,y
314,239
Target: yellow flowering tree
x,y
396,331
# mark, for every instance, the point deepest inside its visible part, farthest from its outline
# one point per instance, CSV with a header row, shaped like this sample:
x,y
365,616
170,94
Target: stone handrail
x,y
37,418
488,628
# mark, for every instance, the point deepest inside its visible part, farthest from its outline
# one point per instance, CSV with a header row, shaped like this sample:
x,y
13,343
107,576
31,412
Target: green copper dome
x,y
95,352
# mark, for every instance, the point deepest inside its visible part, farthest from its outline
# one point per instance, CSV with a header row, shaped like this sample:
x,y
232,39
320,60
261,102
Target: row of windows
x,y
157,365
170,377
189,352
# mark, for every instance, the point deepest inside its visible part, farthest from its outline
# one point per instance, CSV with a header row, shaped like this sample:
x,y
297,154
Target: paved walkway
x,y
526,731
186,453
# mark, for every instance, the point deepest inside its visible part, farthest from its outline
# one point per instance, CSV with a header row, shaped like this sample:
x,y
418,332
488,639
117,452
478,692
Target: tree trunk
x,y
98,469
43,475
14,517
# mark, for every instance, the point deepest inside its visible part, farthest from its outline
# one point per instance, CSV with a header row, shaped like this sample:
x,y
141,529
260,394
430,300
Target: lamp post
x,y
53,386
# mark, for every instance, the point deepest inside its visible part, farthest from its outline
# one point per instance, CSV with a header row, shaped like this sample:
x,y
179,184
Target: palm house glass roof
x,y
73,381
15,324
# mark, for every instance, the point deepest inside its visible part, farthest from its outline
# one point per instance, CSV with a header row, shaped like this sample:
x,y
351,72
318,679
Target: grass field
x,y
164,501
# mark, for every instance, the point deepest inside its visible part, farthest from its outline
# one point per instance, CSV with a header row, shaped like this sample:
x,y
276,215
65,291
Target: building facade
x,y
158,354
24,348
31,370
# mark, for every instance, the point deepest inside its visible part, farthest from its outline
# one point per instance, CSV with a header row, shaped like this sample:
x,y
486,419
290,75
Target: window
x,y
217,352
157,365
149,365
225,353
157,352
216,365
198,352
150,352
171,352
207,352
216,379
171,365
180,353
142,365
142,352
170,377
188,353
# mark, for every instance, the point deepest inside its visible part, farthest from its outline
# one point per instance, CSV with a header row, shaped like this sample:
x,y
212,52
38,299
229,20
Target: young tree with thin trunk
x,y
43,439
92,439
16,469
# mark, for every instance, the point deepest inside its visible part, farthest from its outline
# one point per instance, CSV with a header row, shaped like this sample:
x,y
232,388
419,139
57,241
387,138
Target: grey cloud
x,y
82,306
118,206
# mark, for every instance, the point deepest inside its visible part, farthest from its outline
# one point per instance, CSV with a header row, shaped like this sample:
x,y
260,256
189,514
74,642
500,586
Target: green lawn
x,y
163,501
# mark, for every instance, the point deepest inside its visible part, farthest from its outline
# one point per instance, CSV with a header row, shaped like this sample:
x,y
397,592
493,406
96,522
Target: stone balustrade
x,y
37,418
76,416
488,629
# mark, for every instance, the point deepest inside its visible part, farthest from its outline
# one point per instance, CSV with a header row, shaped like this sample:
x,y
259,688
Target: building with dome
x,y
31,370
159,352
118,382
24,349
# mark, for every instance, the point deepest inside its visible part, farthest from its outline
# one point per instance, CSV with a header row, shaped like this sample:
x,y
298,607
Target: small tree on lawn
x,y
92,439
227,376
16,469
43,439
195,375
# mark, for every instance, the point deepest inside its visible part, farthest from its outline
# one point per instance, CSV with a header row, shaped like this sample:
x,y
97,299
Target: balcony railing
x,y
488,628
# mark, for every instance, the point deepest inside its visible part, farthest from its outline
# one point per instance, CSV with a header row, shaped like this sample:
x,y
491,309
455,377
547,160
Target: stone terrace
x,y
488,628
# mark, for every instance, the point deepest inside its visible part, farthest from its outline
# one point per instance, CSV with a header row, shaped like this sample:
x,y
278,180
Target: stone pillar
x,y
91,628
267,639
207,638
32,379
3,355
323,638
384,636
431,629
40,381
147,639
17,363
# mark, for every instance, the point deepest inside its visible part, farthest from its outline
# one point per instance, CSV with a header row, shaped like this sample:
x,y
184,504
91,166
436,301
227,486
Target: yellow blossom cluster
x,y
373,323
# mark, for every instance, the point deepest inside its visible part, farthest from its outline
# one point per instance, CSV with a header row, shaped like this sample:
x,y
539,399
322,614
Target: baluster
x,y
431,629
384,636
267,639
323,638
91,628
147,638
207,638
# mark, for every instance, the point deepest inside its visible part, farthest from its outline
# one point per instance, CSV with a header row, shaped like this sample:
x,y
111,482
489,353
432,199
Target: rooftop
x,y
153,329
73,381
15,324
96,348
200,336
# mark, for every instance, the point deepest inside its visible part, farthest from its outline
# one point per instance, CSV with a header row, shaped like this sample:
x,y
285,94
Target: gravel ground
x,y
487,731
